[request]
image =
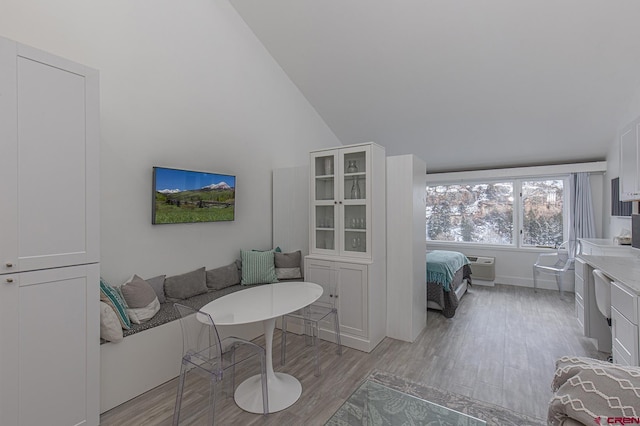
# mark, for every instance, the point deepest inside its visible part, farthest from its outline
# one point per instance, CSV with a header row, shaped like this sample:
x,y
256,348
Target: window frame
x,y
518,210
565,208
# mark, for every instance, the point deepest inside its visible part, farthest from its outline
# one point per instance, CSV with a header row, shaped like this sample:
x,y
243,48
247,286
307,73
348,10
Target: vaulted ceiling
x,y
463,84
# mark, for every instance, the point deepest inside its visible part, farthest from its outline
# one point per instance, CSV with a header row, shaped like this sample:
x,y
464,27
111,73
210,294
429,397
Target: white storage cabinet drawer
x,y
625,339
624,325
625,302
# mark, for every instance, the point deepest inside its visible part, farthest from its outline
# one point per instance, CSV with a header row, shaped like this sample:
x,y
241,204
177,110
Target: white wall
x,y
184,85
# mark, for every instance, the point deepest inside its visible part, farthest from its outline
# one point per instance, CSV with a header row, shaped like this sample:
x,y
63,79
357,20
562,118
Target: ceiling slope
x,y
463,84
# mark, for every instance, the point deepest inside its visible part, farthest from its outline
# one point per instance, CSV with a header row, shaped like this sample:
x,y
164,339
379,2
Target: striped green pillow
x,y
258,267
112,297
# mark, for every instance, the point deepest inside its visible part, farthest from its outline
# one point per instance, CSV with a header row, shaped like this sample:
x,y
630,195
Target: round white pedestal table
x,y
264,303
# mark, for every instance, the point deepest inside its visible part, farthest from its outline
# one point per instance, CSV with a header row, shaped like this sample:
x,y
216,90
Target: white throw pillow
x,y
140,315
110,327
142,301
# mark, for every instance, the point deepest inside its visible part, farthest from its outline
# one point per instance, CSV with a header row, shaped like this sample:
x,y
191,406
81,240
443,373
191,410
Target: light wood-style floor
x,y
500,348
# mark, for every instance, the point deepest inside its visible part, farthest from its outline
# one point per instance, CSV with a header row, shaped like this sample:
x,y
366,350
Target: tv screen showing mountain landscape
x,y
184,196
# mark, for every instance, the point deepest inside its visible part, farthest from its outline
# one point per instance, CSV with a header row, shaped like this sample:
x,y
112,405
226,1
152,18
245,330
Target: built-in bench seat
x,y
167,313
149,353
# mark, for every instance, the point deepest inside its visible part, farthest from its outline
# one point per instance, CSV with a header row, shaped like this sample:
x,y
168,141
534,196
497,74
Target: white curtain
x,y
581,218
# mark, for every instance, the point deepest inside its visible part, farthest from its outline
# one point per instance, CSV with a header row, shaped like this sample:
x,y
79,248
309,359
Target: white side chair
x,y
556,264
603,293
311,316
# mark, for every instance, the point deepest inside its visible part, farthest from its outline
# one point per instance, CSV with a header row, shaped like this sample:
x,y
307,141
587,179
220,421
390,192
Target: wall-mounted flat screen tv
x,y
186,196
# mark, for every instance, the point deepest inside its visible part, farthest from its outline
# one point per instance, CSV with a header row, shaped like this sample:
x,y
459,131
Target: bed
x,y
448,277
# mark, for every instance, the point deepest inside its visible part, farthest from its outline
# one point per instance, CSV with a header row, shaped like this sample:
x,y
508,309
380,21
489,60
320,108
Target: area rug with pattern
x,y
389,405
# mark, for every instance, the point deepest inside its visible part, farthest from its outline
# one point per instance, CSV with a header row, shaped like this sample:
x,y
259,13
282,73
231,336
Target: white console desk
x,y
623,337
604,247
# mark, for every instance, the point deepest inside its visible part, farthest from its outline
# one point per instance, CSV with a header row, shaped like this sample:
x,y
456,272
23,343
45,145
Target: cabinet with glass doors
x,y
341,198
348,238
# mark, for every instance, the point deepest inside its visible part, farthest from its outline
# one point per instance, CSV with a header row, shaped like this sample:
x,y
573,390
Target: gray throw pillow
x,y
186,285
157,284
223,277
137,293
288,265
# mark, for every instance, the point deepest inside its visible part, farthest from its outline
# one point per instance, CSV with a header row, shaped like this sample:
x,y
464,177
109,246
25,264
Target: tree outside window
x,y
486,212
479,213
542,207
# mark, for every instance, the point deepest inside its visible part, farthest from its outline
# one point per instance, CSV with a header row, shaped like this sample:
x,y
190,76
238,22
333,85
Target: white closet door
x,y
50,352
55,164
57,348
8,158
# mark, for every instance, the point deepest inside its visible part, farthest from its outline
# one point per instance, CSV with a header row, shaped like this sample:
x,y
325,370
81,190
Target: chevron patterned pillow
x,y
589,390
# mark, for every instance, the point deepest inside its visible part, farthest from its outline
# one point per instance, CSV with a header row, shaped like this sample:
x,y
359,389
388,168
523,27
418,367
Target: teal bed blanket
x,y
442,266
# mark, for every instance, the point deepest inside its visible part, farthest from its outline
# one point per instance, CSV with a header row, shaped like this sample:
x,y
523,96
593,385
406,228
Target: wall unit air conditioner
x,y
482,268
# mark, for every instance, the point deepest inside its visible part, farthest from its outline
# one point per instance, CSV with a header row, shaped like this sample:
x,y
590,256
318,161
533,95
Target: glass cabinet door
x,y
325,231
340,212
324,237
355,215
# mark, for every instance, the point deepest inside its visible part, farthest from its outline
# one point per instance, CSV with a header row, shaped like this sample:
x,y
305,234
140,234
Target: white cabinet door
x,y
323,273
49,328
629,185
353,298
625,339
351,281
50,164
8,158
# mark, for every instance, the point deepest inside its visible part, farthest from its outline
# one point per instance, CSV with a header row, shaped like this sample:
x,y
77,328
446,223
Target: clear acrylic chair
x,y
203,352
311,316
555,264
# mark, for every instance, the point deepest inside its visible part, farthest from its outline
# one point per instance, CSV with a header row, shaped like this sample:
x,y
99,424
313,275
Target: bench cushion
x,y
167,313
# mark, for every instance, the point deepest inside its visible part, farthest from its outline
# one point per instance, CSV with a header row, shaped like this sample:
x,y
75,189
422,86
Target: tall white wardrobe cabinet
x,y
49,245
347,247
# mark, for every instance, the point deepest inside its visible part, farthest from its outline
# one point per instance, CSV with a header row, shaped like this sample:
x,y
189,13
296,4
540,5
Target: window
x,y
479,213
542,210
497,212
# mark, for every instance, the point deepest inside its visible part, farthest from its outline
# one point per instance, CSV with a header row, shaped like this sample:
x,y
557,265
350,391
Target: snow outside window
x,y
543,213
478,213
497,212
